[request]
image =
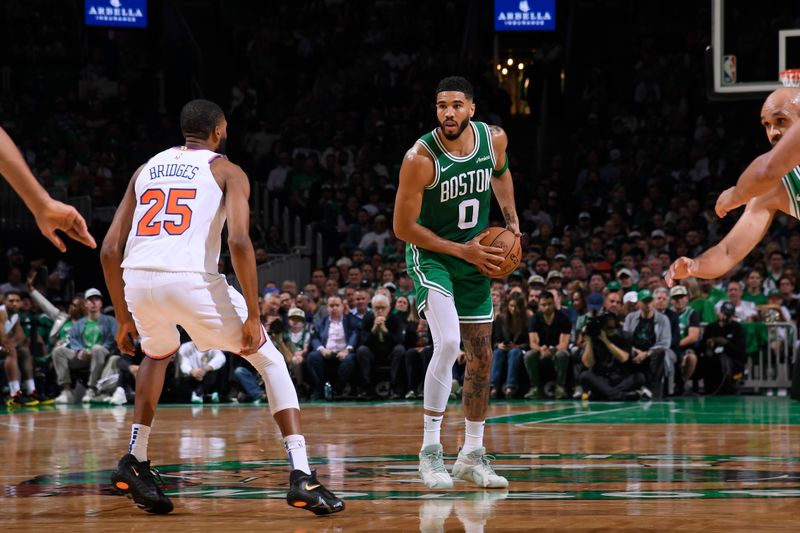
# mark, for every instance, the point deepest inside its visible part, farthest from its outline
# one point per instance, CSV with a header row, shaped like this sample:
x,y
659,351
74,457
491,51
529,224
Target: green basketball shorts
x,y
452,277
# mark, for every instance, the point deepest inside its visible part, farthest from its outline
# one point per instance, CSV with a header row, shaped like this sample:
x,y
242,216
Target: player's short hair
x,y
546,295
199,118
457,84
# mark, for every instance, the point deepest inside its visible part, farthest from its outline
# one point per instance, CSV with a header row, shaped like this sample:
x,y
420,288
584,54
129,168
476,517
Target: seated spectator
x,y
745,311
510,339
375,240
416,359
380,344
723,355
361,307
548,336
651,337
128,368
91,340
200,372
332,345
250,383
661,304
754,289
606,357
18,358
689,324
298,339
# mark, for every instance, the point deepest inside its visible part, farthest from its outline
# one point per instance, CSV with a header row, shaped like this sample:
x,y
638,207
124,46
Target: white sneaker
x,y
196,398
475,467
119,397
431,468
645,393
578,393
65,397
89,396
214,397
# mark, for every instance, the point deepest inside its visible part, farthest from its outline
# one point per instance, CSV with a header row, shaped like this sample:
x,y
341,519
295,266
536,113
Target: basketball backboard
x,y
751,42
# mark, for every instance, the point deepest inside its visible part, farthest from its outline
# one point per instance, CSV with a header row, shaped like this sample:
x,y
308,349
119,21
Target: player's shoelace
x,y
436,460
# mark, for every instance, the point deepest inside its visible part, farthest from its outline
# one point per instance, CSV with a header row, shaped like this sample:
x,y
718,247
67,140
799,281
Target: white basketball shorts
x,y
211,311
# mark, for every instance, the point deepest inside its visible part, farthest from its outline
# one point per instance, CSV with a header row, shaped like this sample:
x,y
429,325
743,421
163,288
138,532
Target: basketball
x,y
512,251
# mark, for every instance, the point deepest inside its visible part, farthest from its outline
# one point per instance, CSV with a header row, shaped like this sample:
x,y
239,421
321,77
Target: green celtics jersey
x,y
456,205
792,183
689,318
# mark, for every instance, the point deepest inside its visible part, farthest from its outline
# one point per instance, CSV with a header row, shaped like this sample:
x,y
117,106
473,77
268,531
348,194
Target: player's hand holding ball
x,y
501,249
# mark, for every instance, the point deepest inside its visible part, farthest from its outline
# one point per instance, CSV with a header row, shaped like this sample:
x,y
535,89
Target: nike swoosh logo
x,y
135,472
444,169
310,487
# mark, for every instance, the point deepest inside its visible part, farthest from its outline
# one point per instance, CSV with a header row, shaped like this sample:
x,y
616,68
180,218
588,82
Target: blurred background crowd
x,y
617,157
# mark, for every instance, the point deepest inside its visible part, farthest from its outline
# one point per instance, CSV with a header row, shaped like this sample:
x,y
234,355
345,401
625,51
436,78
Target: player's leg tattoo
x,y
478,354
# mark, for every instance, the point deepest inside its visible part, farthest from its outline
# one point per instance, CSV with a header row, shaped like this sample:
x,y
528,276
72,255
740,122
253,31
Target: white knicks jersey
x,y
179,214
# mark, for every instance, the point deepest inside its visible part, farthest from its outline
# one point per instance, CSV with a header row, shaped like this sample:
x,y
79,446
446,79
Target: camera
x,y
597,322
594,324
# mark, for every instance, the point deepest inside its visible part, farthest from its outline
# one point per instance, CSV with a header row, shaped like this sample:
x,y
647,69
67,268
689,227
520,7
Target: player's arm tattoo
x,y
495,130
510,215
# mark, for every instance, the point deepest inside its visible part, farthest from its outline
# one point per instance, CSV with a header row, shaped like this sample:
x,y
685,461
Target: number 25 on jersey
x,y
147,227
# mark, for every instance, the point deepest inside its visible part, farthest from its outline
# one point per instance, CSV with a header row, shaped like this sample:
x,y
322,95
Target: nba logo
x,y
728,70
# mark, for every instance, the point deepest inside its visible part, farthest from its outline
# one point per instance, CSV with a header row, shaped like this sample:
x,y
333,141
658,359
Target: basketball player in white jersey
x,y
780,111
169,228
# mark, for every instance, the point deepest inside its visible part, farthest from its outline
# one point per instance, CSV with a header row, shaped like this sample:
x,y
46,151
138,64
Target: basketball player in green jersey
x,y
780,111
441,211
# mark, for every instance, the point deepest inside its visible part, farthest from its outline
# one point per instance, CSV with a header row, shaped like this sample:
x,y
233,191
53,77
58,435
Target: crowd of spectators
x,y
320,116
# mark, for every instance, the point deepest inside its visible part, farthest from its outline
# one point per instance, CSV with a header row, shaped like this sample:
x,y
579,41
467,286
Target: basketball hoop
x,y
790,77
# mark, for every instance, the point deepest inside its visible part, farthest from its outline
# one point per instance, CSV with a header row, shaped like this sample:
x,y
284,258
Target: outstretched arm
x,y
503,185
111,258
51,215
763,173
719,259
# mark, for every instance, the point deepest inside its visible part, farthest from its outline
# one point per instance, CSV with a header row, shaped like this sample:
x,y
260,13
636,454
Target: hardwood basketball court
x,y
708,464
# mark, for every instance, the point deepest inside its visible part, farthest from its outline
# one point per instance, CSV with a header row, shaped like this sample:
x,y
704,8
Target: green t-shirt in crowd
x,y
758,299
715,296
91,333
705,308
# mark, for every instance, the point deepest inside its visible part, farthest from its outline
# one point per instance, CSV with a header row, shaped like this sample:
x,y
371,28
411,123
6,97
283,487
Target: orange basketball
x,y
512,251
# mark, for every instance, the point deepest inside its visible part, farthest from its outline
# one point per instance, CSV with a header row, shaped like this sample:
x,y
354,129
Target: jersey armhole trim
x,y
435,163
792,200
491,146
215,157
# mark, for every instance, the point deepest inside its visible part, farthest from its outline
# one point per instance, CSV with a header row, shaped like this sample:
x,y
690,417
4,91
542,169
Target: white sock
x,y
473,436
13,387
30,386
296,449
433,429
140,434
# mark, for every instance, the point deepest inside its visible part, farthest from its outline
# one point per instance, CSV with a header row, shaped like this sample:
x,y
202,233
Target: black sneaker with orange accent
x,y
305,492
140,483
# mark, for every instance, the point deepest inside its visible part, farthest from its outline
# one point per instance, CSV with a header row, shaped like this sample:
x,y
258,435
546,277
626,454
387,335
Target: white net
x,y
791,77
